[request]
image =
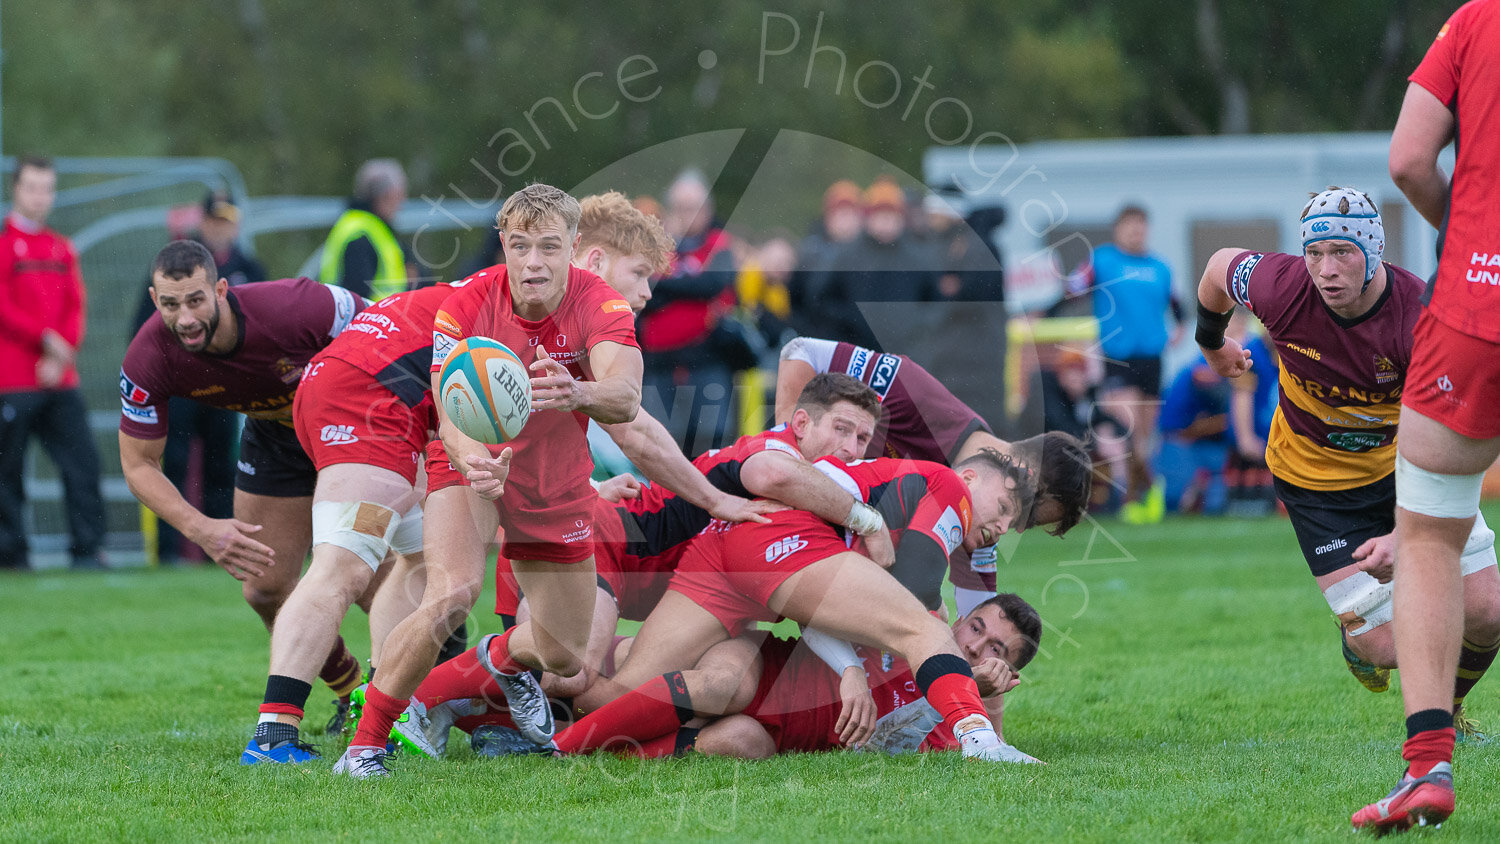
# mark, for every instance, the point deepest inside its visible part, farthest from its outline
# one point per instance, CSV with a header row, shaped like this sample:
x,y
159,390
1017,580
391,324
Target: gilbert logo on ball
x,y
485,389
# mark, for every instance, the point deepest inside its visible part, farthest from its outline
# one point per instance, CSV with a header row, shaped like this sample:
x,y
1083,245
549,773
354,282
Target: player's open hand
x,y
1376,557
619,488
228,543
552,386
732,508
994,676
856,721
487,475
1230,360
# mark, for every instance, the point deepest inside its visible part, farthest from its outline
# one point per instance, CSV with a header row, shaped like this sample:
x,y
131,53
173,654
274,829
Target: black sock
x,y
1473,661
272,734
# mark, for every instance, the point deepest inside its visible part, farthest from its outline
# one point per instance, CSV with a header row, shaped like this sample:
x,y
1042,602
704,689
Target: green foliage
x,y
1190,688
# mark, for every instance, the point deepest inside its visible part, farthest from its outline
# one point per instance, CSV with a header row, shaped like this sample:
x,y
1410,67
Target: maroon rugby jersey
x,y
922,419
282,324
1462,69
1341,379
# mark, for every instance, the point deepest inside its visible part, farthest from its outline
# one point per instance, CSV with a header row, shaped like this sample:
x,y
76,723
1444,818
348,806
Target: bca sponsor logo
x,y
131,393
784,547
1240,284
338,435
884,374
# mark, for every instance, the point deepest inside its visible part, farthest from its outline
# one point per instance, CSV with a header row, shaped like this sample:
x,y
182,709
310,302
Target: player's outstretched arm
x,y
798,484
1423,129
613,396
651,448
227,541
1229,359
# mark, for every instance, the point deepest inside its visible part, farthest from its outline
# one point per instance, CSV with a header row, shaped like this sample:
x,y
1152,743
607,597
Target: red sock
x,y
458,678
500,655
661,747
1426,749
381,712
341,670
955,697
658,707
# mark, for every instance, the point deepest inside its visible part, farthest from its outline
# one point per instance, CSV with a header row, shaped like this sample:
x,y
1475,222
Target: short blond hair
x,y
529,208
610,221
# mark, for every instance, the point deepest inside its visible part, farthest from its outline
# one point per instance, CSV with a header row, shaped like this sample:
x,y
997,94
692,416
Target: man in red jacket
x,y
41,325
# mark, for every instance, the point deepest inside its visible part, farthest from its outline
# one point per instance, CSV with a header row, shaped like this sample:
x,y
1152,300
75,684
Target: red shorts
x,y
731,570
557,530
1454,379
343,415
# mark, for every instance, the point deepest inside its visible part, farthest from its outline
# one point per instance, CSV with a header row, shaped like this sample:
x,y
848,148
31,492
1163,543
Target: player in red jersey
x,y
1450,433
586,365
244,350
781,697
1342,322
364,414
924,421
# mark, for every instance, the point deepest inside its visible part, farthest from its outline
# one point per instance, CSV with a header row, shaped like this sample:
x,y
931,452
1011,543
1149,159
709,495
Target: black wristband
x,y
1211,327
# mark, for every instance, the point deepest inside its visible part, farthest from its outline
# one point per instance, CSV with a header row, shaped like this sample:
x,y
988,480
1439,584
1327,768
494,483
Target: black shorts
x,y
272,462
1330,525
1141,373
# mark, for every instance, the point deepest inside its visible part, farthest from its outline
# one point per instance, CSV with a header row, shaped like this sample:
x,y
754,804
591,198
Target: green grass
x,y
1190,688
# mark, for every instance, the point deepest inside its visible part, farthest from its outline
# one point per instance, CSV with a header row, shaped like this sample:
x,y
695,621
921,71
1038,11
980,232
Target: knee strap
x,y
362,527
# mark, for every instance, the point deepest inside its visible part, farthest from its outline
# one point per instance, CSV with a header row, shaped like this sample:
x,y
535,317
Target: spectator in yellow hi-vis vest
x,y
362,254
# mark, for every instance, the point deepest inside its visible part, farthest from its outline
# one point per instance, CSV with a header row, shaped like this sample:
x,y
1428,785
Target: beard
x,y
209,329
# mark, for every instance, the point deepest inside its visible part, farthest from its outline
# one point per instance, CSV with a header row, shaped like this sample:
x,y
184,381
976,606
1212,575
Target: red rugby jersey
x,y
40,288
551,452
1462,69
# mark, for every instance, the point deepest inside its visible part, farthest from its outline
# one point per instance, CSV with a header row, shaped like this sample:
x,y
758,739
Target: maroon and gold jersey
x,y
1462,69
282,325
1341,379
922,419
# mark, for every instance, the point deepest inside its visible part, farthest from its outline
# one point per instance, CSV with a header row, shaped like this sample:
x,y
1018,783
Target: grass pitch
x,y
1189,688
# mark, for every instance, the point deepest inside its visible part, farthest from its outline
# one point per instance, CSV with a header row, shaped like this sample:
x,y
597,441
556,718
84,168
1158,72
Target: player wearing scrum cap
x,y
1342,322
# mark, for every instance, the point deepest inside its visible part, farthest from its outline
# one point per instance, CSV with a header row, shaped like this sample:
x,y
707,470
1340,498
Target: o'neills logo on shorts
x,y
1332,546
578,535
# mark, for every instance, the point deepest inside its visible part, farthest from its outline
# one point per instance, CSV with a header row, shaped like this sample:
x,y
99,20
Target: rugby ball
x,y
485,390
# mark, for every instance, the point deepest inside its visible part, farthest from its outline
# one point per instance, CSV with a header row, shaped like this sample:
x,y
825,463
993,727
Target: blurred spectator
x,y
763,287
41,327
882,265
202,441
362,253
842,222
1252,404
1132,292
1195,439
1071,405
690,352
647,205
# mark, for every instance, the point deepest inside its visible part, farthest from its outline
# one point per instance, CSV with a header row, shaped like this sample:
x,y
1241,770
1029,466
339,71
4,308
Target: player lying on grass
x,y
762,695
586,366
1342,322
924,421
244,350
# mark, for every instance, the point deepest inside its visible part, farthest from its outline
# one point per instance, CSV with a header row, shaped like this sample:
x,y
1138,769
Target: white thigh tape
x,y
361,527
1360,602
1432,494
408,537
